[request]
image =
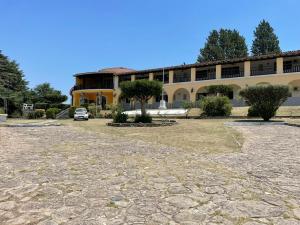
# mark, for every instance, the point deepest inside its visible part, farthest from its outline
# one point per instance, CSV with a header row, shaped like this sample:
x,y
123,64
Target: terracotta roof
x,y
112,70
213,63
126,71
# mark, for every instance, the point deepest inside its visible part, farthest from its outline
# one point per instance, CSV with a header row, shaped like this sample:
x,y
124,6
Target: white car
x,y
81,114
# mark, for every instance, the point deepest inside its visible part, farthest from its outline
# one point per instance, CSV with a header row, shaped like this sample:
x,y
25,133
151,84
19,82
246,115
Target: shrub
x,y
216,106
266,99
72,111
120,117
92,110
41,105
31,115
39,113
253,112
52,112
143,119
2,110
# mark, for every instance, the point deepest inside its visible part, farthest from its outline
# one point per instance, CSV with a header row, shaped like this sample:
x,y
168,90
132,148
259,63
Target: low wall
x,y
291,101
3,117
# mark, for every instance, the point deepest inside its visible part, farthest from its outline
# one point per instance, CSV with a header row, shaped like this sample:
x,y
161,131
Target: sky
x,y
54,39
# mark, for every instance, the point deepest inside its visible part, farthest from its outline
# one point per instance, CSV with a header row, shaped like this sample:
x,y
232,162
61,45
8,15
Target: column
x,y
151,76
279,65
132,77
116,82
247,68
193,74
218,71
171,76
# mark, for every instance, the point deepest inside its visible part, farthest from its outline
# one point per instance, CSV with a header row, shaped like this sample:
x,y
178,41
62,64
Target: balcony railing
x,y
207,77
294,69
237,74
262,72
102,86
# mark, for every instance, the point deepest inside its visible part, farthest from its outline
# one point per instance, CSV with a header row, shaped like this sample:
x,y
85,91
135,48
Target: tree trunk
x,y
143,108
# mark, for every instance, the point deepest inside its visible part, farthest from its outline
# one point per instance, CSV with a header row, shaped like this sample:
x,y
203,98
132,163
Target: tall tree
x,y
13,86
265,40
44,93
223,44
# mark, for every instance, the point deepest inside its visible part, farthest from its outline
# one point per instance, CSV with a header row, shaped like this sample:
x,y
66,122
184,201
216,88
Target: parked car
x,y
81,114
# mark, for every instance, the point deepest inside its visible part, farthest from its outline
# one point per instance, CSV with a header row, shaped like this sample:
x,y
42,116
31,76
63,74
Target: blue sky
x,y
54,39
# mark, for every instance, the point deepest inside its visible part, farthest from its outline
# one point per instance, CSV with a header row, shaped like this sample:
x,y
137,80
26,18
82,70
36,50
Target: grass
x,y
209,136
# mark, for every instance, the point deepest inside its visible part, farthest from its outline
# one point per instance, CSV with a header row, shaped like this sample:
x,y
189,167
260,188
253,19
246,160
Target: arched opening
x,y
235,91
181,95
201,92
263,84
295,88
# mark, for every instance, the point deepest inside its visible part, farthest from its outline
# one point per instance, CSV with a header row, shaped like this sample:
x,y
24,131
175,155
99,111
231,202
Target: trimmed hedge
x,y
120,117
216,106
52,112
143,119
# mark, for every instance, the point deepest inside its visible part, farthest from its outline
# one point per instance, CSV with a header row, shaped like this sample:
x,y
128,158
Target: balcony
x,y
232,72
292,69
206,74
262,72
96,86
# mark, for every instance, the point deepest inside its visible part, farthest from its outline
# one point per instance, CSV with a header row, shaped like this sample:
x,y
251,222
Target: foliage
x,y
253,112
223,90
216,106
266,99
120,117
141,91
72,111
2,110
223,44
39,113
143,119
12,84
31,115
45,94
52,112
265,40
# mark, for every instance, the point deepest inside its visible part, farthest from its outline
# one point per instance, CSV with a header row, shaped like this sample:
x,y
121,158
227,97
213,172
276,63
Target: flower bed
x,y
155,123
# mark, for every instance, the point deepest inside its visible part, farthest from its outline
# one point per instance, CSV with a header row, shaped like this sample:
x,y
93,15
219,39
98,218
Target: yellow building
x,y
188,82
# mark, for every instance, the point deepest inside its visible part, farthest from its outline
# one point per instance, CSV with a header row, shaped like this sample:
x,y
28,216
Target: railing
x,y
239,74
261,72
102,86
292,70
207,77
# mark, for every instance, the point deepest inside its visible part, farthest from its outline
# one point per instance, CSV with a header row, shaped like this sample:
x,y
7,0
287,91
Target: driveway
x,y
63,175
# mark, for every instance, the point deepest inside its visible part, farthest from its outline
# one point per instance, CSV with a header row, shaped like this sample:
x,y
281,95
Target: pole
x,y
162,90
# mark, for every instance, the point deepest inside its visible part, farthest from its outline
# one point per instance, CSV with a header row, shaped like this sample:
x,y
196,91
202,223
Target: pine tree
x,y
223,44
265,40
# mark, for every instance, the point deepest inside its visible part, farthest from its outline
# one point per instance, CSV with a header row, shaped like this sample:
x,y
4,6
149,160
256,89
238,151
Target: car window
x,y
80,110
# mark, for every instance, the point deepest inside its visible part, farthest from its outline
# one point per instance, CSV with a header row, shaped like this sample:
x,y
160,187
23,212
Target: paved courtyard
x,y
63,175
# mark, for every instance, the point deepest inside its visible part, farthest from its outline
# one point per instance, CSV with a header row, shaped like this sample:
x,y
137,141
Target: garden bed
x,y
155,123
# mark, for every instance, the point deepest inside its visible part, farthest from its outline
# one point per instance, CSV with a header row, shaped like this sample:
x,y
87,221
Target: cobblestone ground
x,y
58,175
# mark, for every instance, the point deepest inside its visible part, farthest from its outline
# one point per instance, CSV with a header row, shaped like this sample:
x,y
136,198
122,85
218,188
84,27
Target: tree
x,y
44,93
265,40
265,99
223,44
141,91
13,86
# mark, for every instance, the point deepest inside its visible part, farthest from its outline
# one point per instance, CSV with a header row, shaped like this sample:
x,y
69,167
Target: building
x,y
188,82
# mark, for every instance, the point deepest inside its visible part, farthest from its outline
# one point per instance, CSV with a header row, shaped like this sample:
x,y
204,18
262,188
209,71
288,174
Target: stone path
x,y
58,175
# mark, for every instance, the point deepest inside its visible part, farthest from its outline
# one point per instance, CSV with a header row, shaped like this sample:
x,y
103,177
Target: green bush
x,y
52,112
39,113
2,110
72,111
216,106
266,99
120,117
31,115
253,112
41,105
143,119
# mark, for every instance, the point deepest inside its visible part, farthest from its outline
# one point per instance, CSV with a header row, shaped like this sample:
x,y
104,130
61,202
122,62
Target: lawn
x,y
208,136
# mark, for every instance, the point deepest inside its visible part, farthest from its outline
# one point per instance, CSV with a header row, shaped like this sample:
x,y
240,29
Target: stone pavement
x,y
59,175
